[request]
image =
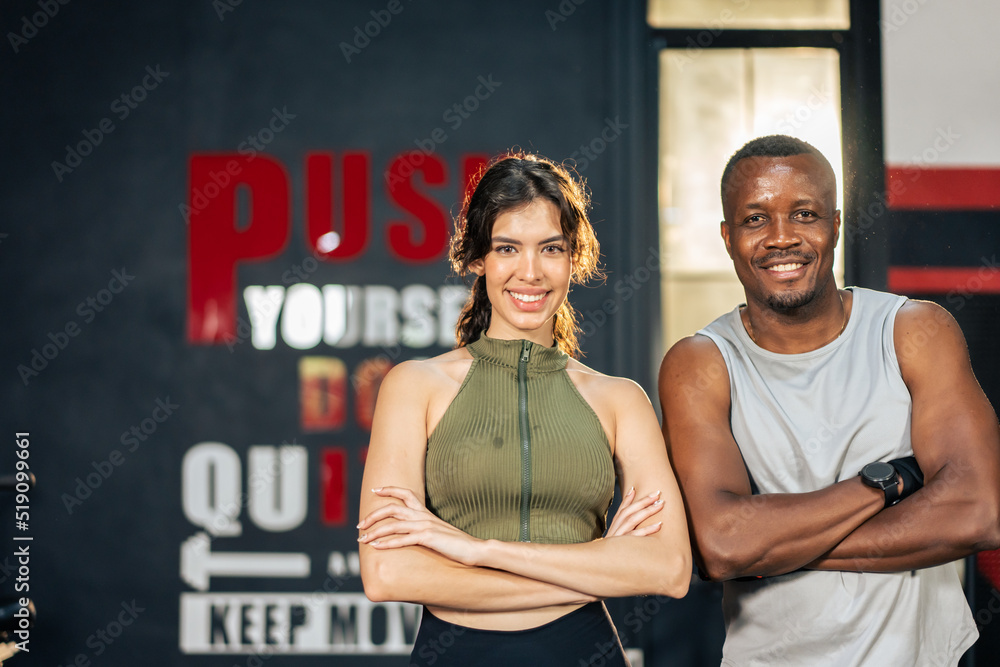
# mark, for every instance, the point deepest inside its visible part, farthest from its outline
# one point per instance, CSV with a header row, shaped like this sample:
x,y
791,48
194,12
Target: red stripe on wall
x,y
943,189
944,279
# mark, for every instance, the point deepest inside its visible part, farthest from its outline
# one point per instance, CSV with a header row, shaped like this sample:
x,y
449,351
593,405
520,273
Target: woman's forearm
x,y
615,567
419,575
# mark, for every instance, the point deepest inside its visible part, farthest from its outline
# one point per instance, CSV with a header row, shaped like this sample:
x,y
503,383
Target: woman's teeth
x,y
527,298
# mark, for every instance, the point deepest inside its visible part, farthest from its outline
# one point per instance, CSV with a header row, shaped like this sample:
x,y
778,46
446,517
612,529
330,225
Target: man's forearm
x,y
940,523
771,534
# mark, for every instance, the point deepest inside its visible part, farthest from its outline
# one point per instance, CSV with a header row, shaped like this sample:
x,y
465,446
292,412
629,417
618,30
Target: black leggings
x,y
585,637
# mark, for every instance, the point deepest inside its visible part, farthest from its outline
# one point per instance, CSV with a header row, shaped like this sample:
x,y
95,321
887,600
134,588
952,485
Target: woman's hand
x,y
415,525
632,512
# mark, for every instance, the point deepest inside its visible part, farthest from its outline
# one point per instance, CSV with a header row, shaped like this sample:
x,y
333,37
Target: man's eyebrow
x,y
797,202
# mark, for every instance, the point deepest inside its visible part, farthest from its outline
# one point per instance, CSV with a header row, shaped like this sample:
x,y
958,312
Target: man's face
x,y
781,228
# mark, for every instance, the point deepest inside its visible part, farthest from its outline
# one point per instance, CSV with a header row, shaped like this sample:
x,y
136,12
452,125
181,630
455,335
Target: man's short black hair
x,y
773,145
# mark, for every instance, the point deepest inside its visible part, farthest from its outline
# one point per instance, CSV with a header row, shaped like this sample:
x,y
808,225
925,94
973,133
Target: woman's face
x,y
527,272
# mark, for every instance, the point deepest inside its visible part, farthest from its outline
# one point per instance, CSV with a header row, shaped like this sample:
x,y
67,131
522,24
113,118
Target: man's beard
x,y
785,301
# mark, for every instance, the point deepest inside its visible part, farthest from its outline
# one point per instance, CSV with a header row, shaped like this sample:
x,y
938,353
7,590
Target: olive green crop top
x,y
519,455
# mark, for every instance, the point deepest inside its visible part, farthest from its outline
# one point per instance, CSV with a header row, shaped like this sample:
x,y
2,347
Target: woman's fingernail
x,y
630,491
363,537
654,494
658,502
377,489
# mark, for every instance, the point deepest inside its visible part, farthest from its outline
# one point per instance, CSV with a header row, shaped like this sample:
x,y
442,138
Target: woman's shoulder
x,y
431,372
610,386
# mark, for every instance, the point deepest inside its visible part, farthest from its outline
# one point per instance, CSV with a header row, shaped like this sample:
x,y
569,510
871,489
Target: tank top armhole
x,y
889,334
590,409
720,344
447,411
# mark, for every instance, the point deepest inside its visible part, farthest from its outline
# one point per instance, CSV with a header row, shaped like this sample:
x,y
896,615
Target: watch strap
x,y
891,490
909,470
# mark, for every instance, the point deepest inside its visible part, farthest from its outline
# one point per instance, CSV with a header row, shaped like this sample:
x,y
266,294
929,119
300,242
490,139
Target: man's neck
x,y
798,330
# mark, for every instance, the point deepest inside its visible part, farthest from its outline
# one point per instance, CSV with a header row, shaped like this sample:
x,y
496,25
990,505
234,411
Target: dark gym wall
x,y
157,422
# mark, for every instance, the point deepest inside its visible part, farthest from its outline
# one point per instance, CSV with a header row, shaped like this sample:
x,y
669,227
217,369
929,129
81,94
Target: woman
x,y
491,467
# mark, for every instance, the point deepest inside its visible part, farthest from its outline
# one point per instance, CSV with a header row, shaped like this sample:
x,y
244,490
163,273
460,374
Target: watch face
x,y
879,472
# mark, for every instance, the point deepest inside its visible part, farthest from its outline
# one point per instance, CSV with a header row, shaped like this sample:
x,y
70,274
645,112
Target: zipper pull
x,y
525,351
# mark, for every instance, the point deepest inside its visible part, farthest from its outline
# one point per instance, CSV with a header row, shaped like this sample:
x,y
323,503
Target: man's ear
x,y
478,267
724,230
836,227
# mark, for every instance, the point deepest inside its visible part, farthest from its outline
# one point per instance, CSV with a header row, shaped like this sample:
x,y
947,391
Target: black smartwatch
x,y
883,476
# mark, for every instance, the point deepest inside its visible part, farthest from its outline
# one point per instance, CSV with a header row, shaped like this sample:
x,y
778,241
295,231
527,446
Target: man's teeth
x,y
783,267
527,298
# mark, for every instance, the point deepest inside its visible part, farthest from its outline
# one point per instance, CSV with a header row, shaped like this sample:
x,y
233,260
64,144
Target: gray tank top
x,y
803,422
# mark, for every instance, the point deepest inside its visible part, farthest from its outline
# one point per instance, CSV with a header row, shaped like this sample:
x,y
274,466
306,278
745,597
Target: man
x,y
773,410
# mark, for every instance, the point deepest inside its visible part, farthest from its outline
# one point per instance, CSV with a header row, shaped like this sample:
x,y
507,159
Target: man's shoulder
x,y
696,348
921,322
694,361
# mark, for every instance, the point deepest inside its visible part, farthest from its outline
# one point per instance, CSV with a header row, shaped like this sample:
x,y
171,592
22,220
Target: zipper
x,y
522,409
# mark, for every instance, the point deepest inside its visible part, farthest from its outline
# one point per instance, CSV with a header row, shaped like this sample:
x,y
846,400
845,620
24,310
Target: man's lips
x,y
784,268
783,262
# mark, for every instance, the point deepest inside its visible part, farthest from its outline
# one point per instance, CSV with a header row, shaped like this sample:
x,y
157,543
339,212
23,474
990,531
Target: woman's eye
x,y
554,249
504,249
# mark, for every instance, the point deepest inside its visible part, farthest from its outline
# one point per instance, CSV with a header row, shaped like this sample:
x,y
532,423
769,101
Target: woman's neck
x,y
541,337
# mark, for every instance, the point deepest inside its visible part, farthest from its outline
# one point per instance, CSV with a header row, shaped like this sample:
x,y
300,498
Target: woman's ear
x,y
478,267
